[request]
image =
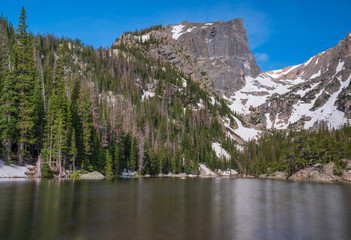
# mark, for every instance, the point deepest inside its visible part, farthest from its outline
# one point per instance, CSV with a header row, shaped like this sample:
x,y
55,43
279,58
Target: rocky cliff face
x,y
216,54
219,49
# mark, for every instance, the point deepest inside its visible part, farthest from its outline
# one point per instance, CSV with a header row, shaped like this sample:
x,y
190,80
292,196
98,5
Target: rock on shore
x,y
92,175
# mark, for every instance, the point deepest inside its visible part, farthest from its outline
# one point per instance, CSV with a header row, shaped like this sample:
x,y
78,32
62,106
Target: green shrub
x,y
337,173
91,168
9,162
75,175
46,171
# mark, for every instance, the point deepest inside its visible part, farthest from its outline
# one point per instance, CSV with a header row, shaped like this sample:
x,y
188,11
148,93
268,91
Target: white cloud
x,y
261,57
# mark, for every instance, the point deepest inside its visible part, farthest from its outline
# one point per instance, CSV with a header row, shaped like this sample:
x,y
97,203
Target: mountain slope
x,y
321,92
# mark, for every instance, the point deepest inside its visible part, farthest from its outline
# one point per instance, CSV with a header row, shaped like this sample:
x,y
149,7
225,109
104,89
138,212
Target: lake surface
x,y
171,208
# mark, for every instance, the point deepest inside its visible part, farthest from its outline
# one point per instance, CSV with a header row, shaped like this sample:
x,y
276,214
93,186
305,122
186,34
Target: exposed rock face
x,y
216,54
347,176
316,173
220,49
92,175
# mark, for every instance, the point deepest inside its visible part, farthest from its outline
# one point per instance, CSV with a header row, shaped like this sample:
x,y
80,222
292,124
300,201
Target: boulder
x,y
181,175
329,169
278,175
314,174
92,175
326,178
347,176
306,174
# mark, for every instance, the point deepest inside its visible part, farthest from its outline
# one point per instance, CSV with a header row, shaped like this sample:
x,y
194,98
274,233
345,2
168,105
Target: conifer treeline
x,y
298,149
82,108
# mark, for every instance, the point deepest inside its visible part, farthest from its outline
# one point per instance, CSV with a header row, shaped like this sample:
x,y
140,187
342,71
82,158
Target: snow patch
x,y
145,37
308,61
128,173
208,24
340,67
177,29
316,74
268,120
220,152
328,112
206,170
13,171
255,92
227,172
146,95
190,29
200,104
244,132
213,100
184,83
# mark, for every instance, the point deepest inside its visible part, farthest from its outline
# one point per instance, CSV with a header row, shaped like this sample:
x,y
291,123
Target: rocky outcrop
x,y
347,175
220,49
275,175
92,175
216,54
317,173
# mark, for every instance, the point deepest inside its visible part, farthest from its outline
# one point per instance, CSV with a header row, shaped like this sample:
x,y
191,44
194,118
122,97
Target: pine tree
x,y
73,149
8,94
26,86
108,164
8,112
117,158
133,155
84,114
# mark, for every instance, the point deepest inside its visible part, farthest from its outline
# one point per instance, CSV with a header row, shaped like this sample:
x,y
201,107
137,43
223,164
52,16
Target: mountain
x,y
217,56
320,92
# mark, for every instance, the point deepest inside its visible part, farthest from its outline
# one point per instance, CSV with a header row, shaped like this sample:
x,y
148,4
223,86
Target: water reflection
x,y
168,208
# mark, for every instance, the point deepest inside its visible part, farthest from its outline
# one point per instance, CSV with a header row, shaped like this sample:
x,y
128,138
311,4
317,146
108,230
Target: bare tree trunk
x,y
8,149
20,156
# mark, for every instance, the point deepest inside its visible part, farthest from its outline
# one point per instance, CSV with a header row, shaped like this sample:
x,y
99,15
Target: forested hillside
x,y
84,108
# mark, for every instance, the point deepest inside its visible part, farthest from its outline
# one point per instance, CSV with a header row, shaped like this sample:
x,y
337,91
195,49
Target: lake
x,y
172,208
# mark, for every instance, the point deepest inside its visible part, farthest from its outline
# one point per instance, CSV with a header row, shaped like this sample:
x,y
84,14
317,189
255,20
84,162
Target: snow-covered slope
x,y
12,171
256,91
320,92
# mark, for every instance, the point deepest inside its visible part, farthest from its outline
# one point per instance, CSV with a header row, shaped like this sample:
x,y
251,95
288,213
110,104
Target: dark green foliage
x,y
290,152
46,171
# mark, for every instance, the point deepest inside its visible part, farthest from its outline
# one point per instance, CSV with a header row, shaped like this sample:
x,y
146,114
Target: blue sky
x,y
281,33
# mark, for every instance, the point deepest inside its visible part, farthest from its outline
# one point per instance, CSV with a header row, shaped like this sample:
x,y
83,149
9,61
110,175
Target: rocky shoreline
x,y
328,173
316,173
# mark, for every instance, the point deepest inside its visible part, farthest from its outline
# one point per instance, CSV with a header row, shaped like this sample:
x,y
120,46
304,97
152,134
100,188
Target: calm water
x,y
171,208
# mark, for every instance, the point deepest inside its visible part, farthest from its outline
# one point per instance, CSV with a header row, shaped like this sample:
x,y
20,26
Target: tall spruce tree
x,y
86,125
26,86
56,140
8,94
